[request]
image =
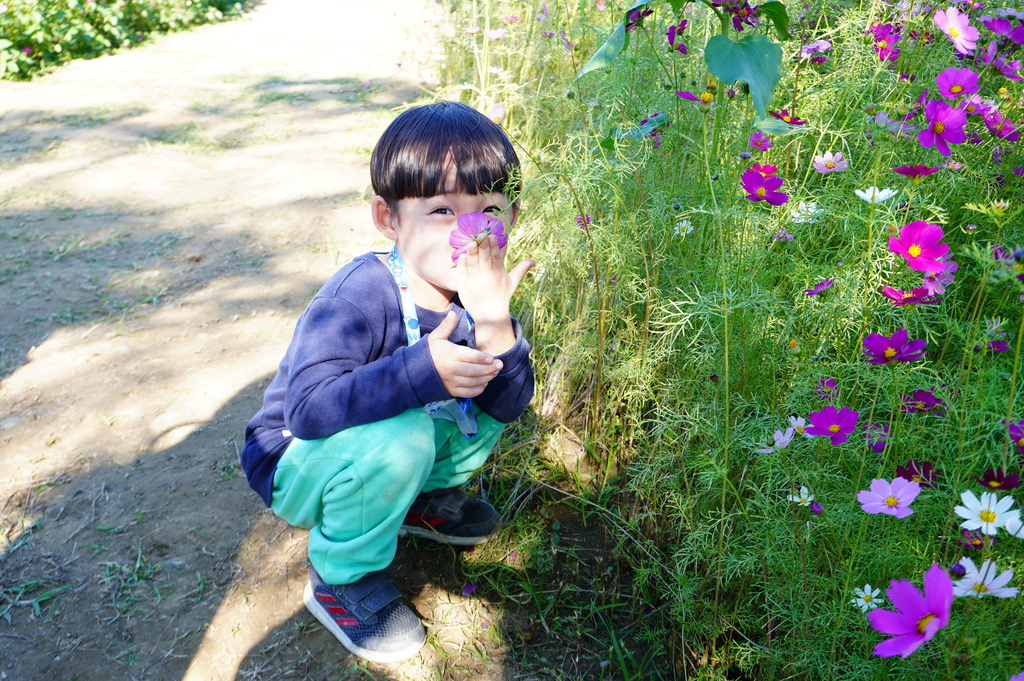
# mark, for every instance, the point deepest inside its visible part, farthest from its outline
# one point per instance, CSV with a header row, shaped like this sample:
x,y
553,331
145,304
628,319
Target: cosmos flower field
x,y
780,290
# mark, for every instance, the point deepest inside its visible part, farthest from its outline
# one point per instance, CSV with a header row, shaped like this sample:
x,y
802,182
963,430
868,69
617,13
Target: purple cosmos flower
x,y
543,11
886,38
975,106
704,100
809,49
1001,126
819,287
918,617
786,117
827,388
835,424
878,436
673,34
996,479
998,346
922,401
945,126
759,187
957,28
917,296
919,244
936,282
761,141
916,172
582,221
921,472
955,83
891,498
469,588
780,440
635,16
474,228
886,350
830,163
782,235
898,127
742,13
974,540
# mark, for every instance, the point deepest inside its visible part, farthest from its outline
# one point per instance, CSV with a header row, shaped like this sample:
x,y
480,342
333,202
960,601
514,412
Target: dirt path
x,y
165,213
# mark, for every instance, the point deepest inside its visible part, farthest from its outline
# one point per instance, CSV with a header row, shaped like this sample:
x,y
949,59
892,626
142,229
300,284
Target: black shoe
x,y
368,616
450,516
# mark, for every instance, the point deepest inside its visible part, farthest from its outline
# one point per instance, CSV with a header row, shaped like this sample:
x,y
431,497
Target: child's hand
x,y
465,372
485,289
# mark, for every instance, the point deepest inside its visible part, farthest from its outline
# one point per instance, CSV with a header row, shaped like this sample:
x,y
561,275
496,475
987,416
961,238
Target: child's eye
x,y
443,211
492,209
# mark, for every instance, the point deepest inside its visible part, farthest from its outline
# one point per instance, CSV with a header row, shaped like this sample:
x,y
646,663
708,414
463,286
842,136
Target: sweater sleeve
x,y
338,377
509,393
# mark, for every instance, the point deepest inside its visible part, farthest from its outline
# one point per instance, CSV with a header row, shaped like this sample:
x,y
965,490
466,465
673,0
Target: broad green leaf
x,y
677,5
776,11
773,126
753,59
612,47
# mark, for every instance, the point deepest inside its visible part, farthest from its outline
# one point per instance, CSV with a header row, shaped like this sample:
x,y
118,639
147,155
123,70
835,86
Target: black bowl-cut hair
x,y
415,155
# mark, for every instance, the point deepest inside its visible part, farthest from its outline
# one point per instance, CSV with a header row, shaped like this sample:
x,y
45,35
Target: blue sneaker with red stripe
x,y
368,616
450,516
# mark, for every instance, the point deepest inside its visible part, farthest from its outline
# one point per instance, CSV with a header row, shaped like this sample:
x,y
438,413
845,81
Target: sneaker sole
x,y
372,655
434,535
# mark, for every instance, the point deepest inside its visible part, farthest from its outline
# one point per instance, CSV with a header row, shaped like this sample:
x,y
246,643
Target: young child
x,y
400,377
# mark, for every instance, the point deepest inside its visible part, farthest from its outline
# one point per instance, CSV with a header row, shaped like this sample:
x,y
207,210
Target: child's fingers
x,y
519,271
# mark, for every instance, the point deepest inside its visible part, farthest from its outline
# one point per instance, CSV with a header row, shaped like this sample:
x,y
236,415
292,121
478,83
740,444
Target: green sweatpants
x,y
352,490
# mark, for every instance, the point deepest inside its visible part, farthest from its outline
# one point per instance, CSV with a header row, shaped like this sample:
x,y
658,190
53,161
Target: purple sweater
x,y
350,363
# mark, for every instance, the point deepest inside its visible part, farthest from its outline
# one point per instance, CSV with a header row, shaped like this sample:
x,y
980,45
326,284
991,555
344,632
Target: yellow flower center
x,y
993,483
970,108
742,12
834,428
956,89
793,344
919,405
1003,91
800,429
889,353
980,588
938,127
867,598
998,126
761,191
917,478
987,516
954,32
706,97
786,119
882,44
891,502
923,622
1020,442
830,164
914,250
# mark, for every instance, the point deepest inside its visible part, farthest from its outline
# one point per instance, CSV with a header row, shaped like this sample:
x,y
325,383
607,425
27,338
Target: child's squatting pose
x,y
400,377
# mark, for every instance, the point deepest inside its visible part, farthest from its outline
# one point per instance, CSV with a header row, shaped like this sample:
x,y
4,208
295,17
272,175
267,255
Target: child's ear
x,y
384,219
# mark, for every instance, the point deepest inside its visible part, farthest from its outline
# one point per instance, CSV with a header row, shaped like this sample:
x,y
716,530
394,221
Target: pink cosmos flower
x,y
916,172
892,498
885,43
819,287
955,83
827,388
919,245
917,296
787,118
496,34
1001,126
975,106
835,424
759,187
766,169
878,436
830,163
761,141
886,350
945,126
936,282
809,49
957,28
917,617
474,228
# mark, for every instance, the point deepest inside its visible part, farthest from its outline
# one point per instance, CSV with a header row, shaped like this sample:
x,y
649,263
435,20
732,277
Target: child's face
x,y
421,230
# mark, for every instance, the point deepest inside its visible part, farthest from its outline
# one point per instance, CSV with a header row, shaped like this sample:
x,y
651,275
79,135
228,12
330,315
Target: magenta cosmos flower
x,y
955,83
891,498
835,424
945,126
474,228
885,42
918,617
922,401
819,287
1001,126
762,188
788,118
957,28
921,472
1016,431
916,172
886,350
919,244
936,282
761,141
917,296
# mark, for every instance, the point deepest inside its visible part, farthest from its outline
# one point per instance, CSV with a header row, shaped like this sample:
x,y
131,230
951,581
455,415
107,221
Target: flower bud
x,y
957,570
816,508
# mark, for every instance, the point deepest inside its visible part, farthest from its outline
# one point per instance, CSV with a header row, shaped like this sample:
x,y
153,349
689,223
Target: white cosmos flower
x,y
867,599
987,514
803,497
984,581
780,441
1015,527
799,424
683,227
874,194
806,212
